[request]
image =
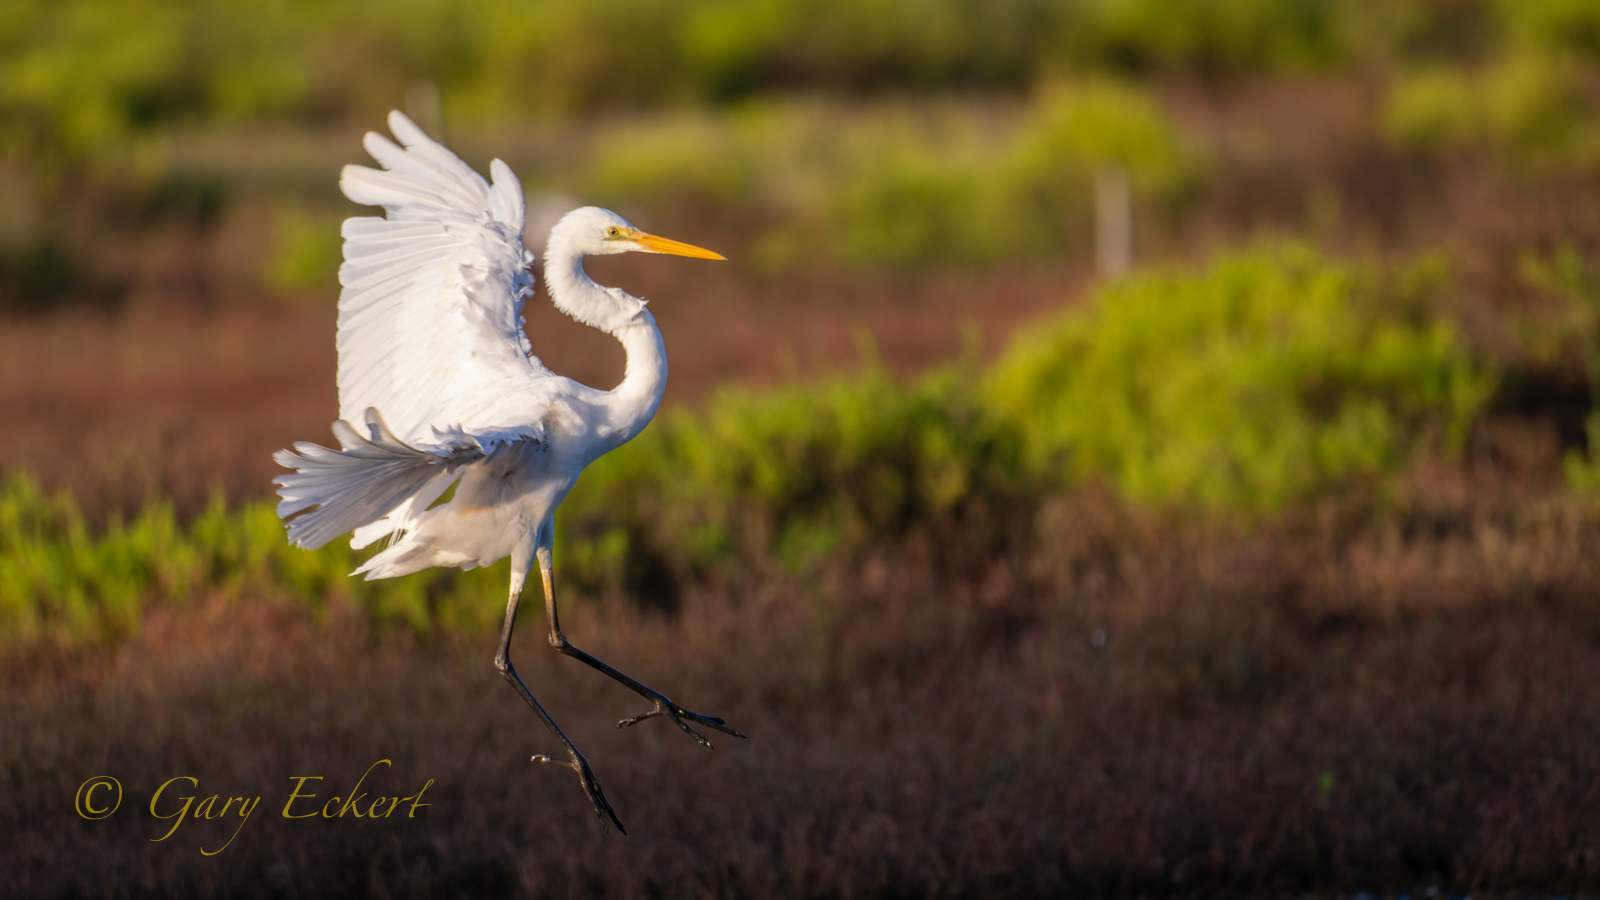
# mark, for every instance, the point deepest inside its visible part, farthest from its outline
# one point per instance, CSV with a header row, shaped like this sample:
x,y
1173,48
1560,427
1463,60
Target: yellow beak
x,y
653,244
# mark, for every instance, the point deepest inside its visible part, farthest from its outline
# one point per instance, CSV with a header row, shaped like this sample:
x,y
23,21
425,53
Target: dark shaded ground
x,y
1135,711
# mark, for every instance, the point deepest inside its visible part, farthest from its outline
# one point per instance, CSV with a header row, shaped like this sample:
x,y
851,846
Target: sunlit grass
x,y
1270,377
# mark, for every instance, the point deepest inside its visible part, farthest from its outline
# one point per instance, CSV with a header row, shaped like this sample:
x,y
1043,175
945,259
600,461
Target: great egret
x,y
438,386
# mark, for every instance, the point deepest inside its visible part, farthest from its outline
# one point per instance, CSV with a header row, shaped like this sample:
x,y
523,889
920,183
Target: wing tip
x,y
399,121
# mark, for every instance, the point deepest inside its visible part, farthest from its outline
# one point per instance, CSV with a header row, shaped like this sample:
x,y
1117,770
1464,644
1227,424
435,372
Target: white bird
x,y
438,386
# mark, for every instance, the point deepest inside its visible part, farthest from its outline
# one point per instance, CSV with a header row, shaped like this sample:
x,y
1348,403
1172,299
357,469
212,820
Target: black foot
x,y
591,787
676,713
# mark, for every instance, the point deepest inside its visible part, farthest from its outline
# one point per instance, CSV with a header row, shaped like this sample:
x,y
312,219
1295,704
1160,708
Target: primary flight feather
x,y
438,386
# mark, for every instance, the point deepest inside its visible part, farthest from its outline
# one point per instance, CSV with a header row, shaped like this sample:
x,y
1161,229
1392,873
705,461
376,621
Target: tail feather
x,y
332,492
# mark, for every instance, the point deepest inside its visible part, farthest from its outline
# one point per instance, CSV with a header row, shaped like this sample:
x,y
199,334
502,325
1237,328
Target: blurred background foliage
x,y
1273,377
82,77
1281,527
880,136
106,90
1266,379
896,183
889,132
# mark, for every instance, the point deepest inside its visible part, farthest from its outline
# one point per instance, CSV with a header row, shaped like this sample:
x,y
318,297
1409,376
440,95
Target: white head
x,y
592,231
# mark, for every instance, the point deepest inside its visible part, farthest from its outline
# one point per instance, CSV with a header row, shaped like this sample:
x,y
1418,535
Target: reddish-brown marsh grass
x,y
1137,709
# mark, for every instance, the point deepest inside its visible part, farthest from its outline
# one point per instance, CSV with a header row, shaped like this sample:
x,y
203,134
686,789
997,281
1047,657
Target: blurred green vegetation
x,y
900,184
901,132
886,183
60,583
1571,334
1271,378
1531,109
799,474
307,249
1525,91
84,78
1268,378
81,76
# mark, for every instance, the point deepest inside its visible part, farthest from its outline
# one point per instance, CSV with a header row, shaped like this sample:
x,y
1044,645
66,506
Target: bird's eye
x,y
613,231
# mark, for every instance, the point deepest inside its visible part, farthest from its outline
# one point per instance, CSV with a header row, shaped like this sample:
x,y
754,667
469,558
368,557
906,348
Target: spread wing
x,y
430,317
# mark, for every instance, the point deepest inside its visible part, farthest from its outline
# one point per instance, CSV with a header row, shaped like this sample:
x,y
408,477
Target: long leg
x,y
663,705
502,663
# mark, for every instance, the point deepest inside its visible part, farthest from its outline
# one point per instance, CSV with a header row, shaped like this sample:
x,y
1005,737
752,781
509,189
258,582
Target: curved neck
x,y
576,294
628,408
632,404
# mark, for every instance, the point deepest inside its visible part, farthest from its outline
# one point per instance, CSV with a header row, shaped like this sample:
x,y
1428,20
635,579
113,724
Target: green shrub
x,y
1529,107
793,475
61,584
797,474
1268,378
1434,109
1081,127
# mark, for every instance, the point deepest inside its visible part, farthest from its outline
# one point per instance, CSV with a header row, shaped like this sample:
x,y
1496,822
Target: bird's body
x,y
438,385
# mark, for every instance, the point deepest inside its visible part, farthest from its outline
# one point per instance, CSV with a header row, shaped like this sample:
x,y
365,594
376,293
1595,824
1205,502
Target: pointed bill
x,y
655,244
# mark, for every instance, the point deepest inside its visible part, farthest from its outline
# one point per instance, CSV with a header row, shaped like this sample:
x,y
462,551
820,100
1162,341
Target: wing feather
x,y
430,326
370,478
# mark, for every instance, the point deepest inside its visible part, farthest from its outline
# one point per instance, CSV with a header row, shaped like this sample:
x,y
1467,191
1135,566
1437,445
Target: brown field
x,y
1308,709
1341,700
